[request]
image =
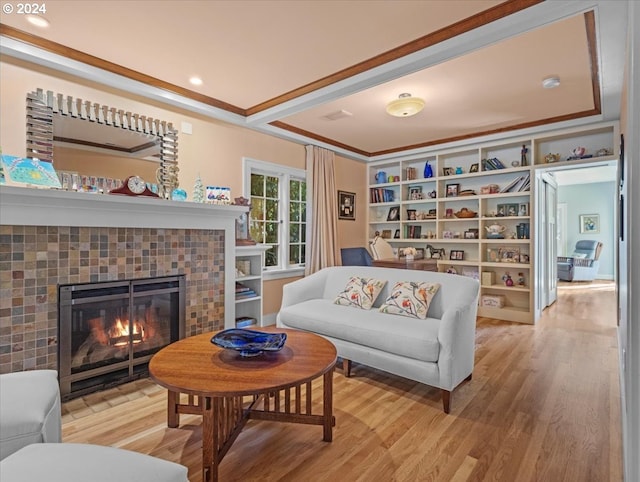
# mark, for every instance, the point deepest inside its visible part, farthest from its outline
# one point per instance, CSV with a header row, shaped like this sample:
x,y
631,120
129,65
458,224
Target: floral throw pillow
x,y
409,298
360,292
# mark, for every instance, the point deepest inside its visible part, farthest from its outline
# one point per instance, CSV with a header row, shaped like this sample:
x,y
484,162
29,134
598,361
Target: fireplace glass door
x,y
109,331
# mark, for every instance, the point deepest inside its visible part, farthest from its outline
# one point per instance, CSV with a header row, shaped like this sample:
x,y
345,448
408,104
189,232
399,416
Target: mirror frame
x,y
42,108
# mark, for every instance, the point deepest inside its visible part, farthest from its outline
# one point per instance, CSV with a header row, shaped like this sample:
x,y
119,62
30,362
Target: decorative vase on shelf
x,y
428,172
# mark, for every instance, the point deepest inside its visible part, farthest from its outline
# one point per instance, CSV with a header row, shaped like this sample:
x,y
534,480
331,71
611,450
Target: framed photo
x,y
509,255
452,190
447,171
432,213
448,213
589,223
447,234
474,167
396,235
523,209
386,234
394,214
508,210
493,255
456,254
471,234
346,205
415,193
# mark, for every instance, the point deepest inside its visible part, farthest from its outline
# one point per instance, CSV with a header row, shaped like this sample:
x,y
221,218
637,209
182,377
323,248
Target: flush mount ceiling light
x,y
405,106
37,20
551,82
195,80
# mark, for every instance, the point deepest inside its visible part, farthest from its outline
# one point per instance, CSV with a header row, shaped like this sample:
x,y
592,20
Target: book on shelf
x,y
492,164
380,195
245,321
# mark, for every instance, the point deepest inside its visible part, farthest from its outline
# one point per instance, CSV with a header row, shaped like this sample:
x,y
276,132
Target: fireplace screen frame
x,y
133,366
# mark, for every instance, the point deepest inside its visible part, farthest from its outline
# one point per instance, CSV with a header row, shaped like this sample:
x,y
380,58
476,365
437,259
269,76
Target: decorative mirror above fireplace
x,y
56,120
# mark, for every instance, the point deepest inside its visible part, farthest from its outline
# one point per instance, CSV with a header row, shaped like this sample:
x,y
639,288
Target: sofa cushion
x,y
410,298
412,338
360,292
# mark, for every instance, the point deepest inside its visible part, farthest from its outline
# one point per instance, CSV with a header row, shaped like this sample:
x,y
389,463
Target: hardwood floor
x,y
543,405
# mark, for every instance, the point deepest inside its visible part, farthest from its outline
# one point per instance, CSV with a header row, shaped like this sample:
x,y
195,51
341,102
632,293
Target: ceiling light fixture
x,y
37,20
195,80
551,82
405,106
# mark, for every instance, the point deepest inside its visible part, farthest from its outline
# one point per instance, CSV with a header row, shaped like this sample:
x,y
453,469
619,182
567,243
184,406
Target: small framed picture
x,y
447,171
471,234
452,190
448,214
509,255
508,210
394,214
386,234
474,167
432,213
346,205
456,254
396,235
415,193
447,234
589,223
523,209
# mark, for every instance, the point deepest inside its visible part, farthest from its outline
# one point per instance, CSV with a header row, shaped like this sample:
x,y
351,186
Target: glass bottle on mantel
x,y
428,172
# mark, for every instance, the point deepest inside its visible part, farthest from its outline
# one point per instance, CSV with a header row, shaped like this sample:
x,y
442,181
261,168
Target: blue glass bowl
x,y
249,342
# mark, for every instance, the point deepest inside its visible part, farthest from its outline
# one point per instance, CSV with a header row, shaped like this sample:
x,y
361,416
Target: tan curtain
x,y
322,245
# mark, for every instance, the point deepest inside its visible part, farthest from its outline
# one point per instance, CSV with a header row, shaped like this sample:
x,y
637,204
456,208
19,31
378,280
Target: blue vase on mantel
x,y
428,172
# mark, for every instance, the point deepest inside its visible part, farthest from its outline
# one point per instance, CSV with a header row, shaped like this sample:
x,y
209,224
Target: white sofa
x,y
437,351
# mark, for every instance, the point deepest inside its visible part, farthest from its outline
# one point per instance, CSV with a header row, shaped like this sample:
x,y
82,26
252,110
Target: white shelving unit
x,y
251,279
462,179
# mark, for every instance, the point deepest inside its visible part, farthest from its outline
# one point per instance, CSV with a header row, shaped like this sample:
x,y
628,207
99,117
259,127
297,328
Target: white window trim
x,y
271,168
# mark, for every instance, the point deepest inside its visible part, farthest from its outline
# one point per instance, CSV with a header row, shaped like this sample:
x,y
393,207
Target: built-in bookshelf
x,y
478,205
248,286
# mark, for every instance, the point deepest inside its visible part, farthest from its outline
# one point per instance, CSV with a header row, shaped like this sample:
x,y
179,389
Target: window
x,y
278,198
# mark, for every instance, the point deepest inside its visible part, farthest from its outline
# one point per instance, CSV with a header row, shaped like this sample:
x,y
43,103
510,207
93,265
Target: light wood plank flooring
x,y
543,405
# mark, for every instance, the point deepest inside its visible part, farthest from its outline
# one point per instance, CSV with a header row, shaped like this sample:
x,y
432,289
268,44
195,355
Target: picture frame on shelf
x,y
474,167
386,234
448,213
447,171
447,234
394,214
509,254
456,255
415,193
432,213
523,209
347,205
506,210
452,190
471,234
396,235
493,255
589,223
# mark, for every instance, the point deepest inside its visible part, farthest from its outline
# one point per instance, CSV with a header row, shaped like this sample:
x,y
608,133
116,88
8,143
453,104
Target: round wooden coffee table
x,y
217,381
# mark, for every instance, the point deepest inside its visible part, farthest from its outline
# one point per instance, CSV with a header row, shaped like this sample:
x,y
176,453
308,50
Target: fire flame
x,y
119,333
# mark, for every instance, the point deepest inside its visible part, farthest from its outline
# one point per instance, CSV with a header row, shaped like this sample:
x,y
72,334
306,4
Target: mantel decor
x,y
242,224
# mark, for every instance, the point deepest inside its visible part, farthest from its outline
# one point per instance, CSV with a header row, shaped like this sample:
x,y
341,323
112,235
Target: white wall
x,y
593,198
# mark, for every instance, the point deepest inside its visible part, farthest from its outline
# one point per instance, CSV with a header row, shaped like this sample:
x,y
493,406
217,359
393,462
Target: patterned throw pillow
x,y
409,298
360,292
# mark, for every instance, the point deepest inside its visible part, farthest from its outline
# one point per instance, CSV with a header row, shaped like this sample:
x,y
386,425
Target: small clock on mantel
x,y
134,186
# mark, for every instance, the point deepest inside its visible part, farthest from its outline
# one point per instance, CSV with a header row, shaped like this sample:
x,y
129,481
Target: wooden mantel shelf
x,y
41,207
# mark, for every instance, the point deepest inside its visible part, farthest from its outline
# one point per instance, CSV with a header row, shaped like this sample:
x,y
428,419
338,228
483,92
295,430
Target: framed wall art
x,y
589,223
346,205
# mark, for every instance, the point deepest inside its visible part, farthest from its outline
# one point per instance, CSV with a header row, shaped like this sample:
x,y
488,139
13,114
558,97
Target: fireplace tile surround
x,y
38,252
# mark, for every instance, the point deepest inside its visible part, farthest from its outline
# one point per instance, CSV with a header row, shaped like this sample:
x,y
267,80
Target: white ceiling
x,y
281,66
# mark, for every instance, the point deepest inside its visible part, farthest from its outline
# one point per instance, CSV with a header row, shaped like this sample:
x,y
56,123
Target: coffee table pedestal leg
x,y
328,406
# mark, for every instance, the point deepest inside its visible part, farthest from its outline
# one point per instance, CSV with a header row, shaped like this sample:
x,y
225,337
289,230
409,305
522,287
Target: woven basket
x,y
465,213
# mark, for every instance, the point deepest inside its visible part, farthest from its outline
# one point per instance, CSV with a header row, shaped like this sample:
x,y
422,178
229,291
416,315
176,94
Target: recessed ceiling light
x,y
195,80
551,82
37,20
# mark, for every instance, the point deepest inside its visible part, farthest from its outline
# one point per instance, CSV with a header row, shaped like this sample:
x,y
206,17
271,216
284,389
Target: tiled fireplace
x,y
53,238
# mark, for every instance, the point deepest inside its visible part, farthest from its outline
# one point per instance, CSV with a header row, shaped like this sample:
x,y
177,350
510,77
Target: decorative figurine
x,y
523,155
458,170
198,191
507,279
